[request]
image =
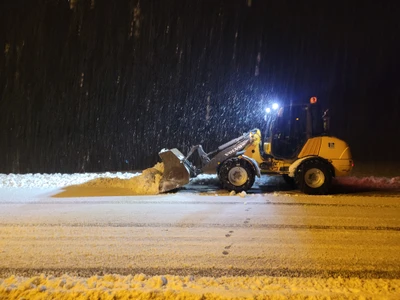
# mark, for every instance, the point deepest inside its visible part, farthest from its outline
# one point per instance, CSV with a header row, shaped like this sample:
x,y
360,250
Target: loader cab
x,y
292,126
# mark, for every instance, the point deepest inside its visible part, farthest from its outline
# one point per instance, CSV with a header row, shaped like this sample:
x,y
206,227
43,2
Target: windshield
x,y
291,121
289,131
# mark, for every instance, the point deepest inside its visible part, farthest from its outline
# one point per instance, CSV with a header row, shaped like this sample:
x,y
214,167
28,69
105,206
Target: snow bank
x,y
375,182
55,180
140,286
145,183
359,183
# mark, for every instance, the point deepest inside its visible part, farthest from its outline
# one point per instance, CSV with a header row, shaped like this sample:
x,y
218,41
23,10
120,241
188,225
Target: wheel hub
x,y
237,176
314,178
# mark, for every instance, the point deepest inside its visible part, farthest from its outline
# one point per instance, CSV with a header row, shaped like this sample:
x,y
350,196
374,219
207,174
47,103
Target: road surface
x,y
199,231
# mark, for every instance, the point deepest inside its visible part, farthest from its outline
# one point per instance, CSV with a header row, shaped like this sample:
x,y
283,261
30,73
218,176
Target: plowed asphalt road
x,y
200,231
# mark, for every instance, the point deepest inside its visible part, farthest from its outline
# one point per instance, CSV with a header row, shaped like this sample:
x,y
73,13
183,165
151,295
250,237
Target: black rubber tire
x,y
290,181
314,177
245,174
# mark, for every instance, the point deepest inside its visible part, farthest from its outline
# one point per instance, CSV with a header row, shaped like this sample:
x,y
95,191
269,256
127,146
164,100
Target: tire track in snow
x,y
377,205
196,225
203,272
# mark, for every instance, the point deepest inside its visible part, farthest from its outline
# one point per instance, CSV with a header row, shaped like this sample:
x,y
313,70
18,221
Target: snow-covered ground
x,y
20,189
140,286
367,176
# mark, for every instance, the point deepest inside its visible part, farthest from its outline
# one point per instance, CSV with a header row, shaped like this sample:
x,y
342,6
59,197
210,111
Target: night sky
x,y
96,85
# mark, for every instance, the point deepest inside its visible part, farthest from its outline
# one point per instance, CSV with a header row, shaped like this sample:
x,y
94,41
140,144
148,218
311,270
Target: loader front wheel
x,y
236,174
314,177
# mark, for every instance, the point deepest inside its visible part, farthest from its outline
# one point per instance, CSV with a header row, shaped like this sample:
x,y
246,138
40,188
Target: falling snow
x,y
92,90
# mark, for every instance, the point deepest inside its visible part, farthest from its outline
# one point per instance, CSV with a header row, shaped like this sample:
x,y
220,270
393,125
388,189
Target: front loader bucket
x,y
176,173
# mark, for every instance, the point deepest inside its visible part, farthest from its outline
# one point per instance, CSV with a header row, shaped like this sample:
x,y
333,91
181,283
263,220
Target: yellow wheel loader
x,y
296,146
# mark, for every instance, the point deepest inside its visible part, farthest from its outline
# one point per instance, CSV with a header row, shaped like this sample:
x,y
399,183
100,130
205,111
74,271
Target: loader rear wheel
x,y
314,177
236,174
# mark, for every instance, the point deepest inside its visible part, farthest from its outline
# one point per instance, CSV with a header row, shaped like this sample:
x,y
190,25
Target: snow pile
x,y
241,194
55,180
205,179
140,286
373,182
145,183
347,183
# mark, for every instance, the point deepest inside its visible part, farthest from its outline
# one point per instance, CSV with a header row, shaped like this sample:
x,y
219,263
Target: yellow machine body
x,y
333,150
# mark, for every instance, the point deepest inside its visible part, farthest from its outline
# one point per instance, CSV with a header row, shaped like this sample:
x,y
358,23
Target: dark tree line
x,y
96,85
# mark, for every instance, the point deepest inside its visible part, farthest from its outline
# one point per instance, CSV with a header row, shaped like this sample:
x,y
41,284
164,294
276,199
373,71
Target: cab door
x,y
289,132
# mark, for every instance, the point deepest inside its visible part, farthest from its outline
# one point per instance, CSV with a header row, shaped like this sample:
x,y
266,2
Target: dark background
x,y
96,85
